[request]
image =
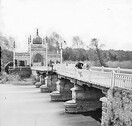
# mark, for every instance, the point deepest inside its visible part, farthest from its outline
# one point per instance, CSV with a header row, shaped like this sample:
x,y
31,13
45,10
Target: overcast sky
x,y
108,20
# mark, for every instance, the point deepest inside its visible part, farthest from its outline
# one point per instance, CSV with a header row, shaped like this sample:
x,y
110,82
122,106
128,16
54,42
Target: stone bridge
x,y
86,90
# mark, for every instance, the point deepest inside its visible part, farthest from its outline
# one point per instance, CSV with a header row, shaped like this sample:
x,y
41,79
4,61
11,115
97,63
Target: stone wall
x,y
117,108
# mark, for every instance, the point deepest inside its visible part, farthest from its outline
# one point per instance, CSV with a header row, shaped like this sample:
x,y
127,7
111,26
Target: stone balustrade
x,y
107,77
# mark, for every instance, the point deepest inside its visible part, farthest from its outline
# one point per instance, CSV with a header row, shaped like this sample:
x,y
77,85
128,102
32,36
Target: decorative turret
x,y
46,41
30,39
37,39
28,44
43,41
46,38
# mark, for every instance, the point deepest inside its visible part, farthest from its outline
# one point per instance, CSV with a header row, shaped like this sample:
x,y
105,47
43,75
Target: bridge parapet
x,y
107,79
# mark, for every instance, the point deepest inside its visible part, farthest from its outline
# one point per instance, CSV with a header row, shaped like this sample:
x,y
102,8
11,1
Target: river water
x,y
26,106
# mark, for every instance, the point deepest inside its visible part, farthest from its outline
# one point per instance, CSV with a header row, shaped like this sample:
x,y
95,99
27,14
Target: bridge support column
x,y
117,107
35,79
40,82
38,79
50,83
63,91
83,99
44,88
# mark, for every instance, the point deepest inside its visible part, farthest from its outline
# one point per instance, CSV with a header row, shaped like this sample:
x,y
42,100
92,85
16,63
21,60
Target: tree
x,y
112,55
6,56
77,42
91,55
6,44
66,53
75,54
94,45
54,42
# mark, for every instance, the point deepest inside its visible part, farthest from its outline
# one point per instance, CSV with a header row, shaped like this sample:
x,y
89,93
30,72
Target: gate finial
x,y
37,31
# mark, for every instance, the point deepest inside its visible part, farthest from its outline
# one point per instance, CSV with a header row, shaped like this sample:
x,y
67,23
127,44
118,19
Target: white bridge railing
x,y
107,77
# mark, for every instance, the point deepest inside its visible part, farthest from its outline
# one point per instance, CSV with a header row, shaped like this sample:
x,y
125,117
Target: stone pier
x,y
63,92
84,99
37,84
50,83
117,107
40,82
44,88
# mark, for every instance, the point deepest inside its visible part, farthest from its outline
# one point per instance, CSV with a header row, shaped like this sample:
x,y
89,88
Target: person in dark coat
x,y
79,65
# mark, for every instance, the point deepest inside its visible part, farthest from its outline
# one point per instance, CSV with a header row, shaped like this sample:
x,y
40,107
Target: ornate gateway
x,y
37,54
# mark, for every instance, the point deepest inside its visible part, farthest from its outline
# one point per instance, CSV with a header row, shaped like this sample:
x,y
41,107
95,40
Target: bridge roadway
x,y
26,106
97,76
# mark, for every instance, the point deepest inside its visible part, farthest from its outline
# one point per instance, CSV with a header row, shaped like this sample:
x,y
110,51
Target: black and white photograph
x,y
65,62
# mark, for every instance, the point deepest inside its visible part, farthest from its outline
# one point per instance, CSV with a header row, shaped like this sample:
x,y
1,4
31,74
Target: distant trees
x,y
6,49
6,43
77,42
91,55
95,53
119,55
75,54
95,46
112,55
6,56
68,54
54,42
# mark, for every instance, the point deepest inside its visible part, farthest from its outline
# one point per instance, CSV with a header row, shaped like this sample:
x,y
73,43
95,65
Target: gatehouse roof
x,y
37,39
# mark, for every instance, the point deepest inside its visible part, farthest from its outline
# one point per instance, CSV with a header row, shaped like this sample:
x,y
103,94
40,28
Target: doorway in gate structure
x,y
38,60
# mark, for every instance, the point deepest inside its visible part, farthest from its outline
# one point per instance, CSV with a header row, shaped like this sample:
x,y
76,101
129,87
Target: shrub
x,y
5,78
14,77
23,72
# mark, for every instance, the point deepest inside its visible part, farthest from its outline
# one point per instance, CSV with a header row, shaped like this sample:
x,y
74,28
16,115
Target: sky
x,y
110,21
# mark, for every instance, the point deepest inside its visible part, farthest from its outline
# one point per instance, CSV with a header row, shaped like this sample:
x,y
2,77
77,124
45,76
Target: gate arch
x,y
38,59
